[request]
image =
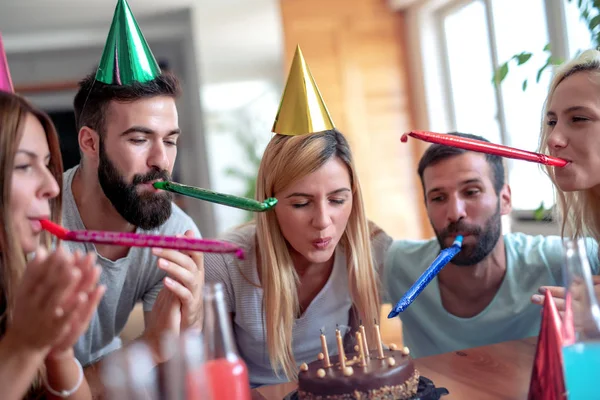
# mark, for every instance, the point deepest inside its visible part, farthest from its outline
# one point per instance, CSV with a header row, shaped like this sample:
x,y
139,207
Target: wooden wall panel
x,y
356,52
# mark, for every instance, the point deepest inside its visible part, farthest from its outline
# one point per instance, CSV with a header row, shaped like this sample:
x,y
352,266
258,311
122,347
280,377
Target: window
x,y
523,109
473,103
473,37
578,34
238,116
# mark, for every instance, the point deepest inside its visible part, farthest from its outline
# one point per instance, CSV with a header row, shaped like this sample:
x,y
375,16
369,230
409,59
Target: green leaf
x,y
523,58
540,71
555,60
525,85
539,212
594,23
595,36
547,47
585,14
501,73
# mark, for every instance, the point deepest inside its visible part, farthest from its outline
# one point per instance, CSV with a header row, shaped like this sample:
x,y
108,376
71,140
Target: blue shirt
x,y
428,329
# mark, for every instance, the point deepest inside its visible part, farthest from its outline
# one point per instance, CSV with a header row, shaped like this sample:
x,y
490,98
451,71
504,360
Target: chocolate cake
x,y
392,378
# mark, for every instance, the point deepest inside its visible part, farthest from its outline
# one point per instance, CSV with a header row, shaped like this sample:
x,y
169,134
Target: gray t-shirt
x,y
128,280
243,298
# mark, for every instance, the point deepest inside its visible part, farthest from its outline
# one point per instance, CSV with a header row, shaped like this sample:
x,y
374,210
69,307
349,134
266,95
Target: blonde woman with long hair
x,y
571,130
46,303
313,262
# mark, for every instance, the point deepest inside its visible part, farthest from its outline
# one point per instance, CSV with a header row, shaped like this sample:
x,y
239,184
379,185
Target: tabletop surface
x,y
498,371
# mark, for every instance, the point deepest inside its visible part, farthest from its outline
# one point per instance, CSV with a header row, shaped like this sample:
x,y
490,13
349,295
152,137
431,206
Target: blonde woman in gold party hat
x,y
313,261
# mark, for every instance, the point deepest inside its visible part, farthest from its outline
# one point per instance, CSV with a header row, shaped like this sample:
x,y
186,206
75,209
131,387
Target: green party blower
x,y
219,198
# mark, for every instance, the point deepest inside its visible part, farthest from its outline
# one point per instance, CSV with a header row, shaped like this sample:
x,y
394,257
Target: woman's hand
x,y
559,293
81,304
40,318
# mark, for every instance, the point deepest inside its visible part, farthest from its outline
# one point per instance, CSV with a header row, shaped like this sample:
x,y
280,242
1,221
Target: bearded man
x,y
128,130
484,295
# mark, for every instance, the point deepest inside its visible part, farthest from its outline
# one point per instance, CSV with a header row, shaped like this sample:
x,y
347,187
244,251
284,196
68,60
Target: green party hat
x,y
126,57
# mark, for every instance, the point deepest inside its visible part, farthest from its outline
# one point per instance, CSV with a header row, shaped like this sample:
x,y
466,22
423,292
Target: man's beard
x,y
148,210
486,239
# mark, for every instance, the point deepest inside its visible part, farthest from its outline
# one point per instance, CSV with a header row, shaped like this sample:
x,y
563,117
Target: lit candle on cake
x,y
342,355
361,349
326,362
379,345
364,337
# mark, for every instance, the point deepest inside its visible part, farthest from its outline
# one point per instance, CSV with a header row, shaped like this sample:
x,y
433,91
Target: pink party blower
x,y
142,240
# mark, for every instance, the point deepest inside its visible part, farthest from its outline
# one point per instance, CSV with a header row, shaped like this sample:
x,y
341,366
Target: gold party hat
x,y
302,109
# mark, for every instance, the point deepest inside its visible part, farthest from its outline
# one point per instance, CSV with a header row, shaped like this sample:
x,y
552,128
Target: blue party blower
x,y
436,266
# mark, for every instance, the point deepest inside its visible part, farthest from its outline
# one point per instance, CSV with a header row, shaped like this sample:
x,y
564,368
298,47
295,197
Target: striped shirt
x,y
243,298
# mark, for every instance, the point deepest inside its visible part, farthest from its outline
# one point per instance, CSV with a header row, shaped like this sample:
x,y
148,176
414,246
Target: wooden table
x,y
498,371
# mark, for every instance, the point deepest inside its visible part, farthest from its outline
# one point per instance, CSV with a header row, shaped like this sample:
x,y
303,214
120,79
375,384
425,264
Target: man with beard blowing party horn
x,y
483,295
128,131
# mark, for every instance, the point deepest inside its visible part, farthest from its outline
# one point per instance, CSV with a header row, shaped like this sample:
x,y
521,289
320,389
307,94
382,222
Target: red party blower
x,y
485,147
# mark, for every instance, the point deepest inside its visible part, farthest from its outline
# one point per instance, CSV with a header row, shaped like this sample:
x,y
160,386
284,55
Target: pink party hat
x,y
5,81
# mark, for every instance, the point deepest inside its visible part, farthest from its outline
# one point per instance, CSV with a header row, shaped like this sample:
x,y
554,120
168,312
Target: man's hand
x,y
185,279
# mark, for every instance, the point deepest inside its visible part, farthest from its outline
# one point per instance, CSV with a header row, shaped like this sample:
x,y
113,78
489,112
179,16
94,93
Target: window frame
x,y
427,41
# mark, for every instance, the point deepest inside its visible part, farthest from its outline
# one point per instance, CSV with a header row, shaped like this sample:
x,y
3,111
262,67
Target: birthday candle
x,y
219,198
342,354
485,147
364,336
380,354
143,240
361,349
326,362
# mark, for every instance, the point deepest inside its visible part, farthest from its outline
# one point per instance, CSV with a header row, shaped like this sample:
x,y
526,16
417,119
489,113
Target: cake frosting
x,y
392,377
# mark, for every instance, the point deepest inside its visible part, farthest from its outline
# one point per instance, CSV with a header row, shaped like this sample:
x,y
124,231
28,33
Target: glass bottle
x,y
226,372
581,325
130,374
183,376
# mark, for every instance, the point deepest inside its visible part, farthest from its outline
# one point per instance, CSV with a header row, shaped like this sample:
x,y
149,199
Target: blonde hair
x,y
579,210
287,159
13,110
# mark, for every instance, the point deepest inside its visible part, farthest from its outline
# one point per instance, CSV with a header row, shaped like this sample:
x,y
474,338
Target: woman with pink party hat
x,y
46,303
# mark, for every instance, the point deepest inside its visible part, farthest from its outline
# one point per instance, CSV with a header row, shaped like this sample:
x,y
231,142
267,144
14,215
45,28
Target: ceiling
x,y
233,34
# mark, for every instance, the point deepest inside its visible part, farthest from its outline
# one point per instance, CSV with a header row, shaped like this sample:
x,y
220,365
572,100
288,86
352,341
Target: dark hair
x,y
93,97
437,152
